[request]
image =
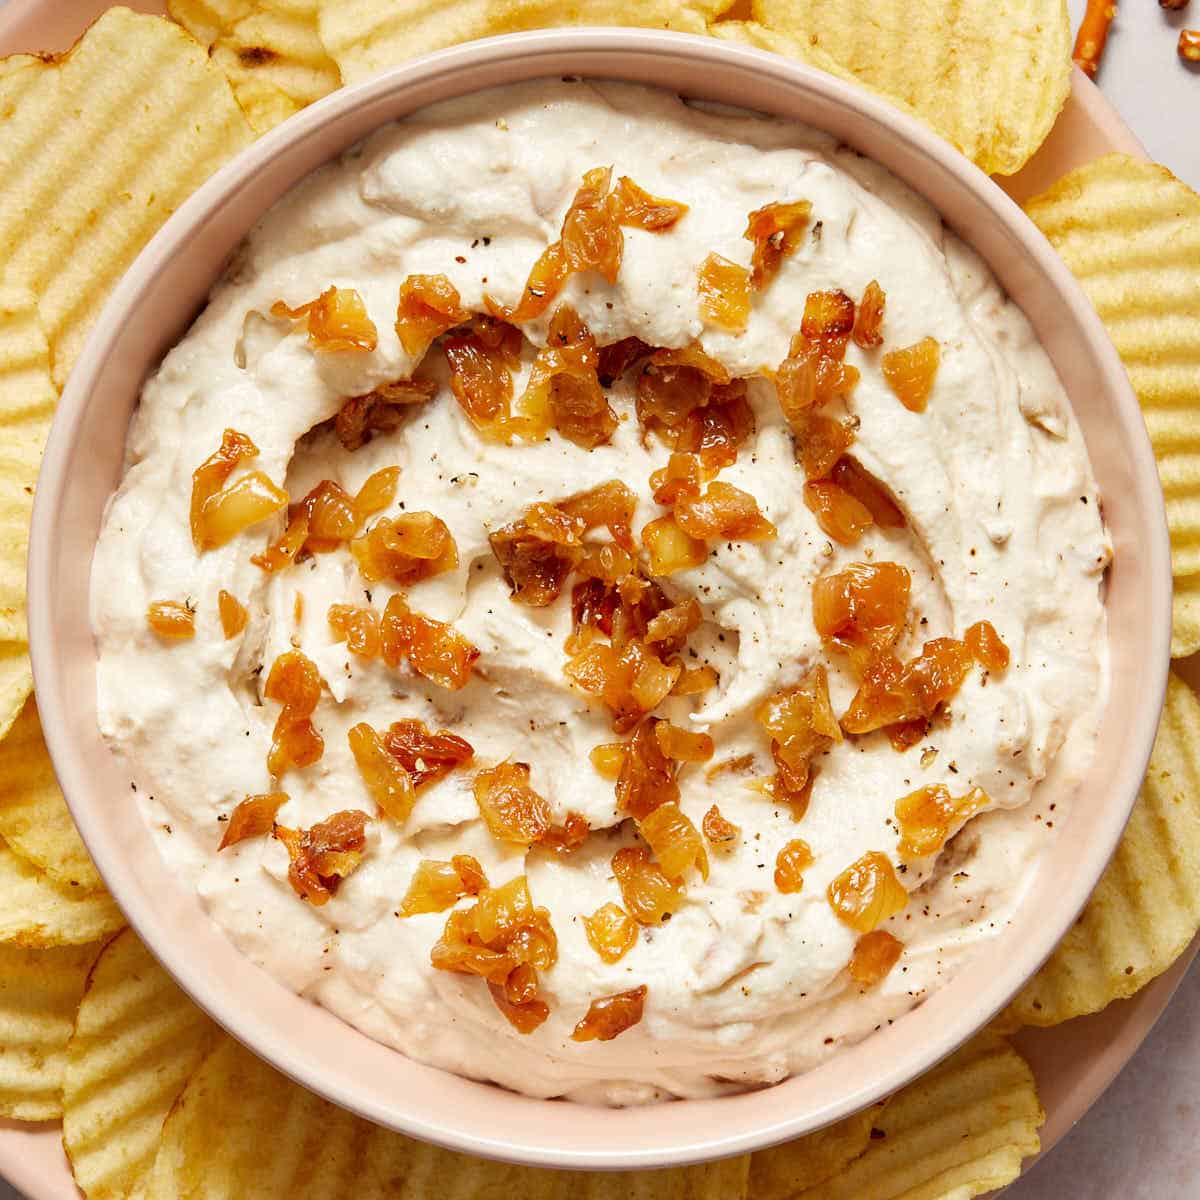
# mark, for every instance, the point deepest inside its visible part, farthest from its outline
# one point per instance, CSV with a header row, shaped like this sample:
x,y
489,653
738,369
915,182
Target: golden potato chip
x,y
1130,231
137,1040
81,196
1146,908
206,20
39,993
784,1171
27,399
36,912
270,51
959,1131
989,75
365,37
17,74
34,818
237,1103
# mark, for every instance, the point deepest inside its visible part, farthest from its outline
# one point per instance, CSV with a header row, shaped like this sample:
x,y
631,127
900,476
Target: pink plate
x,y
1074,1063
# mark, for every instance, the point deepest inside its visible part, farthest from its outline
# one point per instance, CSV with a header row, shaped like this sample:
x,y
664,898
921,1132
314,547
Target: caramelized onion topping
x,y
337,320
321,857
171,620
776,231
253,817
867,892
610,1016
295,683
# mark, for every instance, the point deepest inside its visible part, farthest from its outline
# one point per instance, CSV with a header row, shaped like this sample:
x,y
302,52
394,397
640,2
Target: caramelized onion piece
x,y
868,322
357,627
674,841
790,864
724,293
875,954
511,809
506,940
636,207
867,892
911,372
611,932
647,776
670,549
828,319
426,756
929,816
862,610
607,759
251,499
233,614
565,383
171,620
694,680
801,725
986,646
683,476
776,231
390,785
405,549
437,886
721,834
337,320
610,1016
379,411
820,443
646,892
723,511
321,857
716,431
295,683
591,235
524,1015
536,569
617,357
838,513
253,817
545,281
211,476
631,681
682,745
434,649
673,384
429,305
855,479
481,380
892,692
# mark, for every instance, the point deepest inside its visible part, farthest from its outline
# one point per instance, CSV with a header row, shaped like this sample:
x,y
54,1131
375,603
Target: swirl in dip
x,y
816,563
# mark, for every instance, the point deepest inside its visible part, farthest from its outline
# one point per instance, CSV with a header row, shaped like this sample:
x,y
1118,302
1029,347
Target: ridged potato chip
x,y
365,37
277,1140
137,1040
36,912
83,195
989,75
27,400
1146,908
34,818
1130,231
959,1131
39,993
784,1171
270,51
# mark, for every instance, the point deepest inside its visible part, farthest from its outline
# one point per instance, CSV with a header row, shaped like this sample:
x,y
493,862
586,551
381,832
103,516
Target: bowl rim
x,y
548,49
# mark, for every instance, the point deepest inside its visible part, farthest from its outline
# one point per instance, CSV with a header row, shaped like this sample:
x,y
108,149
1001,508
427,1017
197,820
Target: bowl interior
x,y
153,306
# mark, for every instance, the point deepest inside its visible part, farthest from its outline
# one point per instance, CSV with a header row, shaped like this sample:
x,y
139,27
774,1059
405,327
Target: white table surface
x,y
1140,1142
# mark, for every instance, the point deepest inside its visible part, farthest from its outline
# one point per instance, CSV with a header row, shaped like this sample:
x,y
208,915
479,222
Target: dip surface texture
x,y
745,984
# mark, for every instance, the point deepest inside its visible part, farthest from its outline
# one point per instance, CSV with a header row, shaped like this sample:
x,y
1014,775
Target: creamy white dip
x,y
746,985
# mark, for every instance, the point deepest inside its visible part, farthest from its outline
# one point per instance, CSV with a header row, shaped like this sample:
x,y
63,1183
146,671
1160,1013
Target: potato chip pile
x,y
155,1101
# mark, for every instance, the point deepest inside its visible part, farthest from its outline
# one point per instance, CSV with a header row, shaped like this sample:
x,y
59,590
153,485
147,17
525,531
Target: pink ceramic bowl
x,y
154,304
